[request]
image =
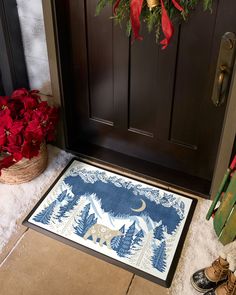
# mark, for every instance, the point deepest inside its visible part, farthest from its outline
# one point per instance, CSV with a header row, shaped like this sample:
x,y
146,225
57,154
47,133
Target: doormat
x,y
123,221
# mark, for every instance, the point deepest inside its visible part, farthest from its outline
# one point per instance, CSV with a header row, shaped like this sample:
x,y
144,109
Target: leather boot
x,y
227,288
210,277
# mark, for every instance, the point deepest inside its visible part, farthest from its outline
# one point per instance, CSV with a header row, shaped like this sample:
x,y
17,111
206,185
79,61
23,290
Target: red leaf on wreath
x,y
116,6
167,27
135,11
177,5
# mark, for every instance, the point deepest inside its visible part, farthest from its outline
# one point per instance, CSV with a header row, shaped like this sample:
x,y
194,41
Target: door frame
x,y
229,126
227,139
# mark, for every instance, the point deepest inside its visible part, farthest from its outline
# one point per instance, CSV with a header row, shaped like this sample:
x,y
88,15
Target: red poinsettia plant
x,y
25,123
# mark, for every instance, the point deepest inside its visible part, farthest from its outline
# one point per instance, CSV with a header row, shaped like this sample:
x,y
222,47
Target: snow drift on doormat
x,y
121,220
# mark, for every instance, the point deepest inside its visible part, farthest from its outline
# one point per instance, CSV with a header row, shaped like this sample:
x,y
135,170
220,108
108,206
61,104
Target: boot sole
x,y
199,289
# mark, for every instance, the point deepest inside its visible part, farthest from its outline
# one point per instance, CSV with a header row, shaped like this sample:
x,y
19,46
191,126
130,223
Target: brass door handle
x,y
221,79
224,68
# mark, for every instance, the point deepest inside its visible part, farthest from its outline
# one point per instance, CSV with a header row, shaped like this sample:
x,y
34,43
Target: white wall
x,y
33,34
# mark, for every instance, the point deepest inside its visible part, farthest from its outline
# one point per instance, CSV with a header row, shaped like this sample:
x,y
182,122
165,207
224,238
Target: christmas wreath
x,y
157,14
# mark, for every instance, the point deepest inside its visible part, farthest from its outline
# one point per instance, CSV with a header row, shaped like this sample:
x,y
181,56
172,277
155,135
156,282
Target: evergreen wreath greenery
x,y
152,16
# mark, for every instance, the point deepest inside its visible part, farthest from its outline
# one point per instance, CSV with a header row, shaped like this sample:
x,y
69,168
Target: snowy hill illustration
x,y
118,198
142,222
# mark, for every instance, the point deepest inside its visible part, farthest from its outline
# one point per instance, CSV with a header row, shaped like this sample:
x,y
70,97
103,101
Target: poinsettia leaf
x,y
29,102
16,127
3,102
3,137
5,119
14,143
30,149
18,156
27,115
17,94
34,131
7,162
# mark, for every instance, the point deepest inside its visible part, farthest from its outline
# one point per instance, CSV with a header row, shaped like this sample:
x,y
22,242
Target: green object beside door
x,y
225,215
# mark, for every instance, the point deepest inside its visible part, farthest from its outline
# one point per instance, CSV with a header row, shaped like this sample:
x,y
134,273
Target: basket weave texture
x,y
26,169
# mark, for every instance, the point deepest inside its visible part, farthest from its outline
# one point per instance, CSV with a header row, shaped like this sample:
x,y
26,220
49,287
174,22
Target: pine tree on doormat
x,y
85,221
62,196
158,233
126,242
67,207
115,242
137,239
45,215
159,257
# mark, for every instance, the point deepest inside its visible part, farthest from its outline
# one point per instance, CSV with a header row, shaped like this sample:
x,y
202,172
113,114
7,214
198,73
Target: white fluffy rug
x,y
200,249
201,246
17,200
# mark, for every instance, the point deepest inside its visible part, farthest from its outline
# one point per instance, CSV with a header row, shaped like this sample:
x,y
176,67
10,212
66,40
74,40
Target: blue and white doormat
x,y
121,220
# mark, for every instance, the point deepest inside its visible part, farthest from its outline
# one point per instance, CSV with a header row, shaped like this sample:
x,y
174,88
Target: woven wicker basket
x,y
26,169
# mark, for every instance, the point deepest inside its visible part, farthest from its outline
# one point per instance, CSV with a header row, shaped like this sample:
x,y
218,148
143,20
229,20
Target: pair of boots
x,y
216,279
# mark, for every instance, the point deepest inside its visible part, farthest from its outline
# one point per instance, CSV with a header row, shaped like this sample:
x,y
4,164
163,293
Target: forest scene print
x,y
127,220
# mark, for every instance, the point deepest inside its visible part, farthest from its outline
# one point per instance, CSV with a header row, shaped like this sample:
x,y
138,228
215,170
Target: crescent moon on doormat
x,y
143,207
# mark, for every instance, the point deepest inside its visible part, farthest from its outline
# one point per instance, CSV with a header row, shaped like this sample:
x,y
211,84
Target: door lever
x,y
224,68
221,80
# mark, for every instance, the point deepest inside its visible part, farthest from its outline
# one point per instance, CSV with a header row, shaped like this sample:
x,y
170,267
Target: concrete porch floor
x,y
32,264
39,265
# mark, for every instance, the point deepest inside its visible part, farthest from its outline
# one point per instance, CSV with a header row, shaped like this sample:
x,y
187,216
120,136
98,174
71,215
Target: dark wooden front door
x,y
149,105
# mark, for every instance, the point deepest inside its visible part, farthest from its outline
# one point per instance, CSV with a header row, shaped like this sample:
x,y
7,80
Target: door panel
x,y
100,62
141,101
